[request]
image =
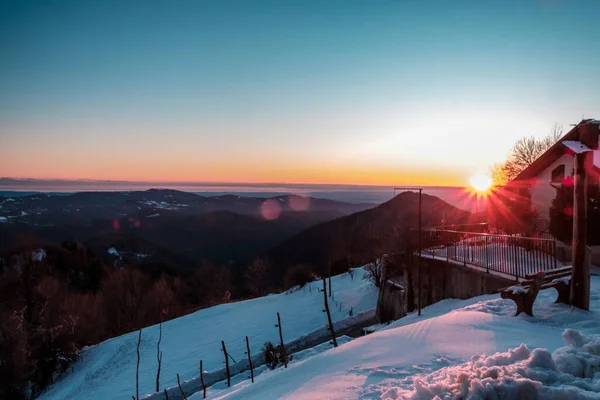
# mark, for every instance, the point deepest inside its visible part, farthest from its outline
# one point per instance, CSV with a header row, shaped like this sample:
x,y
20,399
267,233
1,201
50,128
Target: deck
x,y
509,256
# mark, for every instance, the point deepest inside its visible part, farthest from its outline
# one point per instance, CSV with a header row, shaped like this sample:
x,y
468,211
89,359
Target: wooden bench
x,y
559,279
524,294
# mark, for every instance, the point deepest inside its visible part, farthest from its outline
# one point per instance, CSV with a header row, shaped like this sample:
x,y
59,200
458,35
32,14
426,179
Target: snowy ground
x,y
457,347
107,370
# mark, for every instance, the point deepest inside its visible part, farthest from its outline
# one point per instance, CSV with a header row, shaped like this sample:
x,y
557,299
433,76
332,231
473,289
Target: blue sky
x,y
289,91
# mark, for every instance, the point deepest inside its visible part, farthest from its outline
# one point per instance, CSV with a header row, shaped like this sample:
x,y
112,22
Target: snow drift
x,y
571,372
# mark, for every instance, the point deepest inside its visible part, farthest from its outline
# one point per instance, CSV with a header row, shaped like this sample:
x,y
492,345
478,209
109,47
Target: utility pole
x,y
419,282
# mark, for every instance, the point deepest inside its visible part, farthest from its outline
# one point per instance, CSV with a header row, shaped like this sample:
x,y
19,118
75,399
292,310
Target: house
x,y
555,168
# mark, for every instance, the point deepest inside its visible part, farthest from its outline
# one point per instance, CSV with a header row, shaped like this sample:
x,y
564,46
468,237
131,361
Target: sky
x,y
350,92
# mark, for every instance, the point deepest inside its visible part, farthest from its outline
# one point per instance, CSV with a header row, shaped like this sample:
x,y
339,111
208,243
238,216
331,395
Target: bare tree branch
x,y
523,153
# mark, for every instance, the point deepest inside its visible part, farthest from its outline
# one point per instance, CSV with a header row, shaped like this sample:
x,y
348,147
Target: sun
x,y
480,182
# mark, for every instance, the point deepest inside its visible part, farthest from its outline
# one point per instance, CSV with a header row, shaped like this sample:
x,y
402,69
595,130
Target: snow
x,y
566,279
38,255
153,216
394,283
516,289
471,348
114,252
140,255
3,219
576,146
107,370
571,371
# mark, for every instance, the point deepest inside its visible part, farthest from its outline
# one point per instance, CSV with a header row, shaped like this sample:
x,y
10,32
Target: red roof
x,y
550,155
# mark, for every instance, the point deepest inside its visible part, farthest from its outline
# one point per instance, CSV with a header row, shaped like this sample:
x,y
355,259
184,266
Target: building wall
x,y
542,193
442,280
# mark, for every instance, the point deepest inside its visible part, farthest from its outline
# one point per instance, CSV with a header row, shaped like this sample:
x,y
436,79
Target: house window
x,y
558,174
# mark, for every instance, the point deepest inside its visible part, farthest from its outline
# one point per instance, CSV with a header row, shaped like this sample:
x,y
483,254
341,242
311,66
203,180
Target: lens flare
x,y
270,209
480,182
299,203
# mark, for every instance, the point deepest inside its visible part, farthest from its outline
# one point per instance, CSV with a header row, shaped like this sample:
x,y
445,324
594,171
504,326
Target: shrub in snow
x,y
275,356
298,276
571,372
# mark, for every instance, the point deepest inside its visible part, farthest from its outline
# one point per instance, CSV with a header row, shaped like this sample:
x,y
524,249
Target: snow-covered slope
x,y
107,370
421,357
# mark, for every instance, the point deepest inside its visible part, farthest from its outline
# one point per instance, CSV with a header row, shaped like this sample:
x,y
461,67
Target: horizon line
x,y
212,183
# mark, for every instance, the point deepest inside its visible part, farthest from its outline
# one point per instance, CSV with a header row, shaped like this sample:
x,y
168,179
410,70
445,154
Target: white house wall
x,y
542,193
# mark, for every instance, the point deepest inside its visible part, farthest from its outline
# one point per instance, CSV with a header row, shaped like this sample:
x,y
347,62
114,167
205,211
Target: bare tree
x,y
523,153
257,276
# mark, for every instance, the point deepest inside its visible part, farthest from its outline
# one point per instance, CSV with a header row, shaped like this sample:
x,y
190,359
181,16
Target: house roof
x,y
550,155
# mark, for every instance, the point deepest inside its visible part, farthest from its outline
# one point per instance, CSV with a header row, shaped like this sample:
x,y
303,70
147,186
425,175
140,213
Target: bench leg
x,y
564,290
524,303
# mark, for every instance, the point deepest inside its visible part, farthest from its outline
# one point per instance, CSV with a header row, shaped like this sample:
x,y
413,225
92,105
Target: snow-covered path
x,y
107,370
449,333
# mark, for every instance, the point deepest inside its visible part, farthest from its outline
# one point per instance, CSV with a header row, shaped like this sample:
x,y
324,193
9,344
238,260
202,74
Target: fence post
x,y
554,252
226,363
487,264
331,330
202,379
250,360
285,361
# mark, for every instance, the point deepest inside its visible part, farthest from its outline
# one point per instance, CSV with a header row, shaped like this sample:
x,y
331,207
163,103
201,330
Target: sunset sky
x,y
365,92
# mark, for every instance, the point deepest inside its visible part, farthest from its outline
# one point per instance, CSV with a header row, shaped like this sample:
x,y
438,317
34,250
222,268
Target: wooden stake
x,y
137,368
331,330
226,363
202,379
330,294
180,389
250,359
159,358
166,395
285,361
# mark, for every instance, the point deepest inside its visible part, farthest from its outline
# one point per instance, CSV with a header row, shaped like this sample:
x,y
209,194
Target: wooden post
x,y
180,389
580,276
202,379
158,358
166,395
250,359
331,330
137,368
285,361
226,363
419,262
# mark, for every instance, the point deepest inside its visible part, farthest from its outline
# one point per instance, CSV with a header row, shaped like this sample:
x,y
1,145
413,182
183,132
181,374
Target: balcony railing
x,y
513,255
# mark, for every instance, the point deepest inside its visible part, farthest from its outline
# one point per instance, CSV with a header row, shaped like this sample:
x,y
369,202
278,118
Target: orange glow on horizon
x,y
190,172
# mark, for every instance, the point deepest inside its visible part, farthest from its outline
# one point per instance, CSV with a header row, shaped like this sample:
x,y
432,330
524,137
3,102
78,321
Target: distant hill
x,y
365,234
164,226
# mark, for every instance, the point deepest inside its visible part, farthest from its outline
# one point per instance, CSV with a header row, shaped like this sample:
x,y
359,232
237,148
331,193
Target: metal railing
x,y
512,255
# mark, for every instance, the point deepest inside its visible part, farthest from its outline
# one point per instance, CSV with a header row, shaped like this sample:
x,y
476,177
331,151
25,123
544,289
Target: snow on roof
x,y
576,146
